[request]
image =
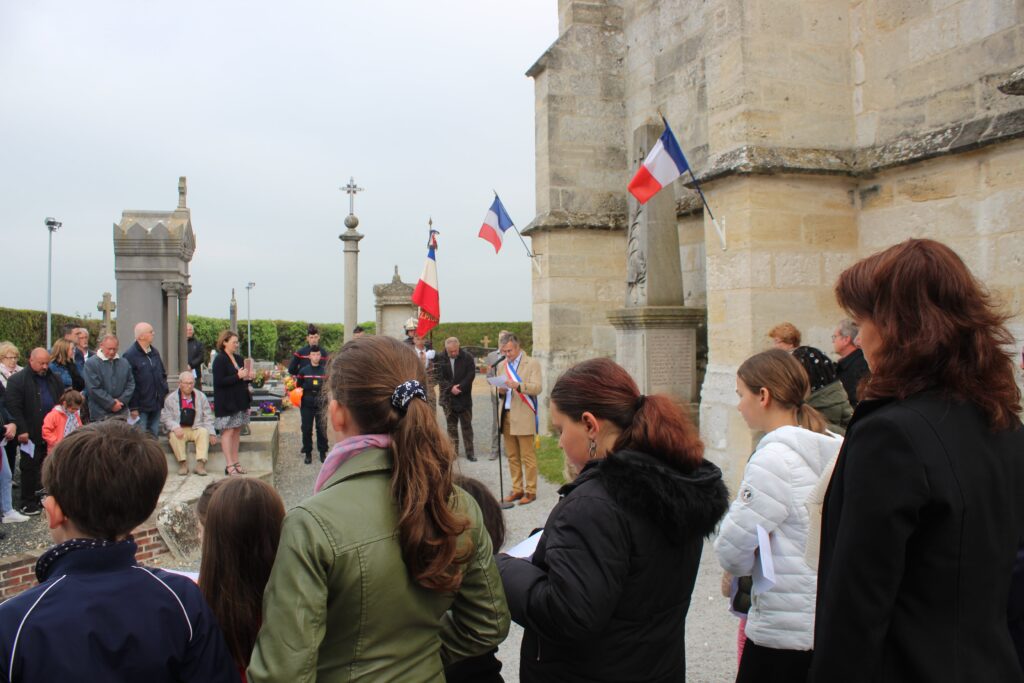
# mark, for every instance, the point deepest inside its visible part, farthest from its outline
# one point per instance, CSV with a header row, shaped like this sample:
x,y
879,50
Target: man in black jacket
x,y
196,355
311,378
456,372
301,357
150,379
31,394
852,365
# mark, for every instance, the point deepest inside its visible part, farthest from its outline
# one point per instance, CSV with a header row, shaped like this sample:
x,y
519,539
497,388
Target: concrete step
x,y
257,451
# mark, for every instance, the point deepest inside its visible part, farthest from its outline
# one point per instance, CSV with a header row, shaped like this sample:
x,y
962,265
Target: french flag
x,y
496,222
426,294
663,164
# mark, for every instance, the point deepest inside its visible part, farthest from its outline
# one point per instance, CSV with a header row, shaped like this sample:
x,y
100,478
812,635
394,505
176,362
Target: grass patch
x,y
550,460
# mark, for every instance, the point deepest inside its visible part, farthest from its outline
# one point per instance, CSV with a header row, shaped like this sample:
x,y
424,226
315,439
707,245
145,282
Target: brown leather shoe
x,y
201,468
182,468
513,497
527,499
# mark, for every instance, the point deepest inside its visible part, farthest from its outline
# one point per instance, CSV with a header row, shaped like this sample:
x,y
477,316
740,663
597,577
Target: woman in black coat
x,y
605,595
231,398
925,509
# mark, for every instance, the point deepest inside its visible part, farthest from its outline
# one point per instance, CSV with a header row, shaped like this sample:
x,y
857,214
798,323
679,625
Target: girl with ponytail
x,y
387,572
777,494
604,596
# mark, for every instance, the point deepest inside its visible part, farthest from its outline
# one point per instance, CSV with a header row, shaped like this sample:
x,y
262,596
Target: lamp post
x,y
248,314
52,225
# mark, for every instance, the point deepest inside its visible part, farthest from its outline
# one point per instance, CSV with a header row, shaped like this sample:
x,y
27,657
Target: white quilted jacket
x,y
779,476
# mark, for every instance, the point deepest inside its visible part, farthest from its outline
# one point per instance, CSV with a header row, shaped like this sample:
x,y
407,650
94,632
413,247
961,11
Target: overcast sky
x,y
268,108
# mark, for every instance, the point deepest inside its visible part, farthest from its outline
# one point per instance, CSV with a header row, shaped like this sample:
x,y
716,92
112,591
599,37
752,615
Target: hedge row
x,y
275,339
27,329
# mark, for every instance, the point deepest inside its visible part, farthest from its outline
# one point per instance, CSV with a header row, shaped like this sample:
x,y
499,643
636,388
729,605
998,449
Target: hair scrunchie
x,y
405,392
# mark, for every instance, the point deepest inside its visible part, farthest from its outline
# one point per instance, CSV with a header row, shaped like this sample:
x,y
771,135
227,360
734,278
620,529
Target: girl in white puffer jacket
x,y
782,472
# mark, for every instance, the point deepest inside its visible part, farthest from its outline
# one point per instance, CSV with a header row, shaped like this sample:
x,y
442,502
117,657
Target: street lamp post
x,y
248,314
52,225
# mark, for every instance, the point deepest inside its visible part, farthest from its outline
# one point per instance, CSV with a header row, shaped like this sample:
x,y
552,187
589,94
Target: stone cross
x,y
486,342
351,190
107,306
182,191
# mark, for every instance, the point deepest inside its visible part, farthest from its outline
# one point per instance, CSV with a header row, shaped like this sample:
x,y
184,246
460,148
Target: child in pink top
x,y
63,419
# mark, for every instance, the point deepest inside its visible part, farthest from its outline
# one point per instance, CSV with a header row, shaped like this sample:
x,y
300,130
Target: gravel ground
x,y
711,631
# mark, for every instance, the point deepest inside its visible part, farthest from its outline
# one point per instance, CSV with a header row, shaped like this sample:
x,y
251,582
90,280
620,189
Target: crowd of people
x,y
882,546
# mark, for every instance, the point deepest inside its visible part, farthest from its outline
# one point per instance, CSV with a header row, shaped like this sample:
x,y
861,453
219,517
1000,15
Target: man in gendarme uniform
x,y
518,421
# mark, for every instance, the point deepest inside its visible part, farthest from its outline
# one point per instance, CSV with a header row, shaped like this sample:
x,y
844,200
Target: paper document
x,y
28,448
191,575
525,548
498,381
133,420
764,569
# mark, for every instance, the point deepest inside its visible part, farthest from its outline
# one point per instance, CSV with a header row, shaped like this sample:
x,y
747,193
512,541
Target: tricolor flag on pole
x,y
426,294
496,222
663,164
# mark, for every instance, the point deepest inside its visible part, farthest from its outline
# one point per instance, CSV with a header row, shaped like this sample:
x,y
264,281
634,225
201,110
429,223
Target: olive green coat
x,y
833,403
341,606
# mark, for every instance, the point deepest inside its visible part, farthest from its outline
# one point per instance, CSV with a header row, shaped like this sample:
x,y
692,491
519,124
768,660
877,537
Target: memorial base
x,y
658,346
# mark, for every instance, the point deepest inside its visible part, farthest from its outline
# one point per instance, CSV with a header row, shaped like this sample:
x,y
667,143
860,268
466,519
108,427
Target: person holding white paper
x,y
769,516
604,596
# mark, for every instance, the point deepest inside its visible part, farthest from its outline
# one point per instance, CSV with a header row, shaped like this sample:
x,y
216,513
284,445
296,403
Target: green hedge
x,y
472,334
27,329
271,339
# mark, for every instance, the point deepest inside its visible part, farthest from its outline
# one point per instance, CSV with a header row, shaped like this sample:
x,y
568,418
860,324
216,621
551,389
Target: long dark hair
x,y
787,381
939,328
655,425
242,529
362,377
490,508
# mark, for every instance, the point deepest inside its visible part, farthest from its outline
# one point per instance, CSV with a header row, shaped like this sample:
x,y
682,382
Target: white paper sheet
x,y
28,448
500,381
764,569
525,548
133,420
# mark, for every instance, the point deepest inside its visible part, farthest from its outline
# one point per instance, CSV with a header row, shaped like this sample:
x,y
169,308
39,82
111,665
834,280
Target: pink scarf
x,y
344,451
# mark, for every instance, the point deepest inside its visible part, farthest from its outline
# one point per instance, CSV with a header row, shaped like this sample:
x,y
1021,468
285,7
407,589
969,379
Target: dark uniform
x,y
301,358
311,379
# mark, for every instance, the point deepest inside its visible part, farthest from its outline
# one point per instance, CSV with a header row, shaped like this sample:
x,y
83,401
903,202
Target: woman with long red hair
x,y
923,514
605,595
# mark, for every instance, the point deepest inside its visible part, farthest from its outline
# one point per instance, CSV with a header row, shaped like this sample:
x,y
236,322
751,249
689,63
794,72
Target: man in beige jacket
x,y
518,420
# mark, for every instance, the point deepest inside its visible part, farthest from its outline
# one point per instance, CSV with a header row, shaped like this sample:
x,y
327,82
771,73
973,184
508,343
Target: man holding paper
x,y
31,394
519,417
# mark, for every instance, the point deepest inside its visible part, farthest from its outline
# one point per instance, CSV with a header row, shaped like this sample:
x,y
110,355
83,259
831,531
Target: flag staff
x,y
525,246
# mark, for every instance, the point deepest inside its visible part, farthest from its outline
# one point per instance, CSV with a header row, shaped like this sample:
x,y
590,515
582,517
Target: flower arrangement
x,y
260,378
267,408
289,383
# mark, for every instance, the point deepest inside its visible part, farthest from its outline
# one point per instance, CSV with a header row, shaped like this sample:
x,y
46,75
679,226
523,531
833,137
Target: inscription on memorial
x,y
670,358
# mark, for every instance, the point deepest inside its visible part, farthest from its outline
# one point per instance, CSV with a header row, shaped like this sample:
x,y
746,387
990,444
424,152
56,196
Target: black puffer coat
x,y
606,594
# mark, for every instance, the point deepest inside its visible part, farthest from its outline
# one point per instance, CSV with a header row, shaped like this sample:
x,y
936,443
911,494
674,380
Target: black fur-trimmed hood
x,y
682,504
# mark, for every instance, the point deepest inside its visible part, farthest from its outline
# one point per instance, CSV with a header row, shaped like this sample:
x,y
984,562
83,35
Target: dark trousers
x,y
310,415
31,476
767,665
465,418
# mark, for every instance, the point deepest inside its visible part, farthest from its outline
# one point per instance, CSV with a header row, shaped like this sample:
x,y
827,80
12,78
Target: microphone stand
x,y
498,405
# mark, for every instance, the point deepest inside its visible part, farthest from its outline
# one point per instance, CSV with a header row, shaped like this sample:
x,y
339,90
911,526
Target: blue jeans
x,y
150,422
6,504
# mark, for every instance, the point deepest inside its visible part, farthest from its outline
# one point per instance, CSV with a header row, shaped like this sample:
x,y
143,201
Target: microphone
x,y
497,362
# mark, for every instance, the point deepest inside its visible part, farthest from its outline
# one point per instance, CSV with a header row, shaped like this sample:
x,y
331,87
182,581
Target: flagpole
x,y
521,239
714,221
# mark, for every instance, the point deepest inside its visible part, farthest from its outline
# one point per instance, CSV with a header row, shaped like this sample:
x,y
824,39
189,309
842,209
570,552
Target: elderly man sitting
x,y
187,416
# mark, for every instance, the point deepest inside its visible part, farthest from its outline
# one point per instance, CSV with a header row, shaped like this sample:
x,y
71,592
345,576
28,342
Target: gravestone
x,y
107,306
656,335
152,250
393,302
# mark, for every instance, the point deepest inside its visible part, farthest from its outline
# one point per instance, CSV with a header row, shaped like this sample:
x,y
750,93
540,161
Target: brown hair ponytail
x,y
785,378
655,425
362,377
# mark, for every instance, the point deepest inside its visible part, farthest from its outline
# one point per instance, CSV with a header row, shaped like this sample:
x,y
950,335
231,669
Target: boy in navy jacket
x,y
96,614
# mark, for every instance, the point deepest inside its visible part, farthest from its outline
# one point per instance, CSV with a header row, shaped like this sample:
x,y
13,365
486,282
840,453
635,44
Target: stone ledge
x,y
954,139
1014,85
647,317
563,220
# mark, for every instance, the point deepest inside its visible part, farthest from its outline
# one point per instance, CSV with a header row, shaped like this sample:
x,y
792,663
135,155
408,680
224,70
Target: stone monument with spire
x,y
393,302
152,250
350,238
